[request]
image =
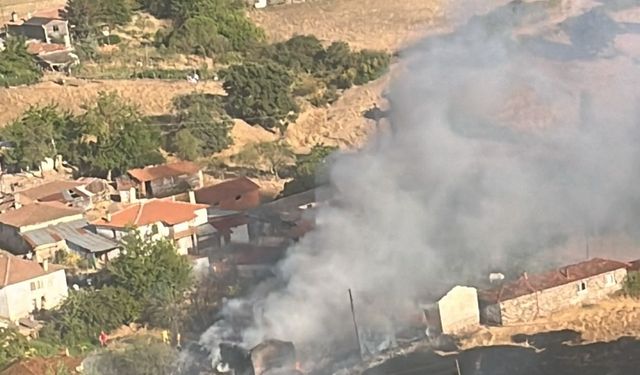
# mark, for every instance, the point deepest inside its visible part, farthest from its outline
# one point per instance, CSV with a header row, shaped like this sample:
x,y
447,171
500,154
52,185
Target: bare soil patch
x,y
374,24
153,97
602,322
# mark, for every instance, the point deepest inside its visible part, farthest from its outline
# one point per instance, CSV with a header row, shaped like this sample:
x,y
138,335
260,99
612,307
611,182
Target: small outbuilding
x,y
456,312
533,296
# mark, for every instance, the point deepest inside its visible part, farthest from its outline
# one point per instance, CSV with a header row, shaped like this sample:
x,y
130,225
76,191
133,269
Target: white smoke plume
x,y
516,141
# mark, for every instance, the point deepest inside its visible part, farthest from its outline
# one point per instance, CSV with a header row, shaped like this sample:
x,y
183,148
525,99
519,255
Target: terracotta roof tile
x,y
547,280
164,170
37,213
225,190
153,211
50,190
36,48
14,269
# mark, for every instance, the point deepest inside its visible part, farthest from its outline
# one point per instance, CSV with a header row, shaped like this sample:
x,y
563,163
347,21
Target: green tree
x,y
14,346
186,146
201,117
301,52
631,286
87,16
17,67
273,156
115,138
151,271
310,171
34,136
199,36
260,94
85,313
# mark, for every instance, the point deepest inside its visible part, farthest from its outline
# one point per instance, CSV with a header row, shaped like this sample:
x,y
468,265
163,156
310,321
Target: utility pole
x,y
355,325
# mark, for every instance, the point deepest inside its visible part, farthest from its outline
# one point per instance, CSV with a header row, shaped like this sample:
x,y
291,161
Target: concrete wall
x,y
459,310
21,299
543,303
28,31
11,240
56,31
165,187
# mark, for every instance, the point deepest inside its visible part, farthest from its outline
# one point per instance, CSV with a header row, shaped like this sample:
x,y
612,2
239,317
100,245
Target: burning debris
x,y
271,357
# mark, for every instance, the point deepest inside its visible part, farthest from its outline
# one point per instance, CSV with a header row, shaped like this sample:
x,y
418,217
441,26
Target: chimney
x,y
525,276
14,17
133,198
108,217
45,265
192,197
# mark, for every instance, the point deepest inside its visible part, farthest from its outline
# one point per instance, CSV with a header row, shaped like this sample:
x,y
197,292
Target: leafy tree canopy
x,y
260,94
150,269
274,156
87,16
17,67
113,137
199,36
85,313
139,358
310,170
34,136
204,126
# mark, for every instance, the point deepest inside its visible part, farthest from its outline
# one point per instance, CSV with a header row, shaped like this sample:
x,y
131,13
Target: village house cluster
x,y
47,35
221,228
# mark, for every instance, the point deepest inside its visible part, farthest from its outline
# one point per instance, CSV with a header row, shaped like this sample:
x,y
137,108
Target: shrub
x,y
17,67
109,40
260,94
85,313
631,286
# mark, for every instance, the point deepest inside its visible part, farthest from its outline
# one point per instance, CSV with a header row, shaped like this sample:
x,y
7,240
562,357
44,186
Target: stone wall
x,y
459,310
543,303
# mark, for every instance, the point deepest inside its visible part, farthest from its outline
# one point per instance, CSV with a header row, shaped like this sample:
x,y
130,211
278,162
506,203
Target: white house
x,y
177,221
26,285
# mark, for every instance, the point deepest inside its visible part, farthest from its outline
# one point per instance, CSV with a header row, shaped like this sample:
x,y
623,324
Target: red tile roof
x,y
49,191
37,213
164,170
153,211
532,283
36,48
53,13
225,190
14,269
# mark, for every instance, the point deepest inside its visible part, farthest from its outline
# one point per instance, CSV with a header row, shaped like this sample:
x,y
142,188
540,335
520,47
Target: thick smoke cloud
x,y
514,145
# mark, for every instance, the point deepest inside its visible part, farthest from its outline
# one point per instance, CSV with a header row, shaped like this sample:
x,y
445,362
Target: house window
x,y
40,284
582,287
609,279
154,229
56,29
33,286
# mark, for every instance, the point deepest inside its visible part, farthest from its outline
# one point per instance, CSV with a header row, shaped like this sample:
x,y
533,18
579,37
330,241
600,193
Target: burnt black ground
x,y
557,353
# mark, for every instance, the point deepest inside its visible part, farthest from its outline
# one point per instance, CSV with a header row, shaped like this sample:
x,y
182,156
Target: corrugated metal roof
x,y
75,233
